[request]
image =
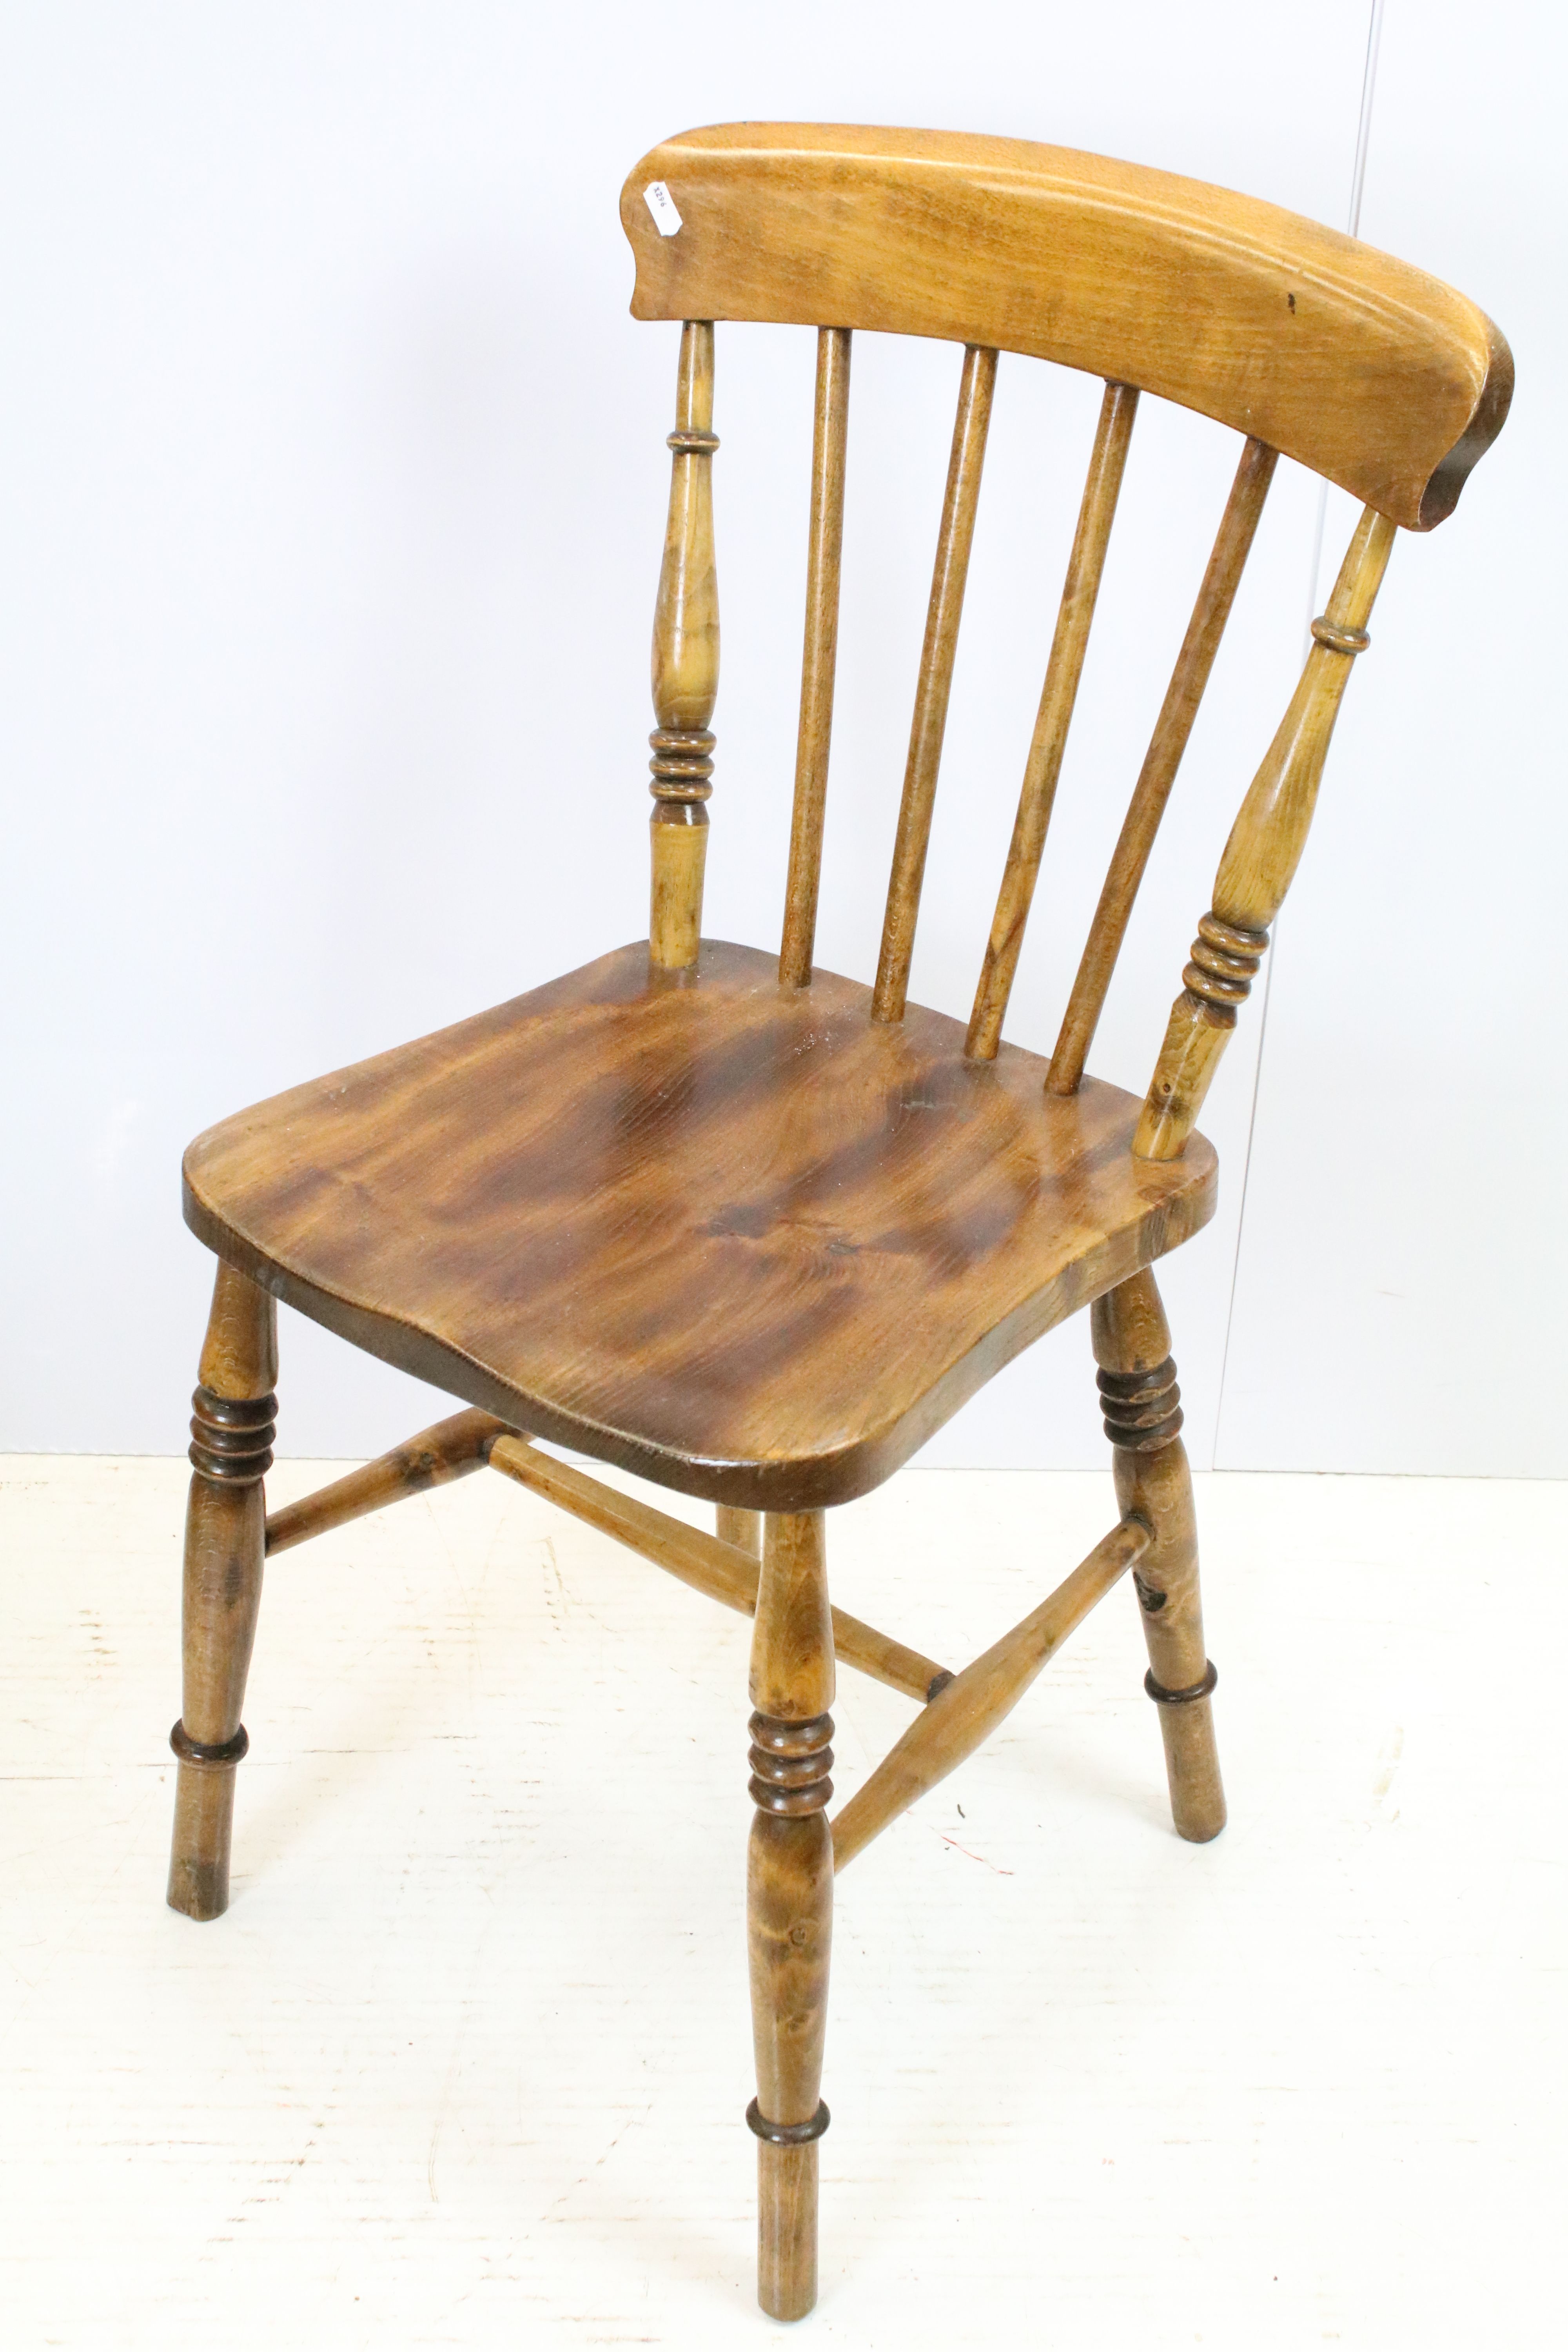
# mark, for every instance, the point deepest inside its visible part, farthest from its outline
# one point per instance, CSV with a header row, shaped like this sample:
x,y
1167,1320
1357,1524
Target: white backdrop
x,y
334,485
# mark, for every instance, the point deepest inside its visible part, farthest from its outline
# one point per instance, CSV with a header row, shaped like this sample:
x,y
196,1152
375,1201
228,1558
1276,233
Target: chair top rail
x,y
1372,373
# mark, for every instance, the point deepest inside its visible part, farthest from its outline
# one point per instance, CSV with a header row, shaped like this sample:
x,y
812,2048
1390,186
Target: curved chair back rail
x,y
1375,375
1310,344
754,1230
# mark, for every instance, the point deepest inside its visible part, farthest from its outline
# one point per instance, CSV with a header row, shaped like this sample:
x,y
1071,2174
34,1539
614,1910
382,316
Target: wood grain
x,y
754,1230
724,1570
1086,565
239,1351
789,1895
956,537
873,1226
460,1827
1143,1416
792,1648
1222,577
1366,369
233,1419
450,1449
685,664
819,657
1262,854
741,1529
964,1712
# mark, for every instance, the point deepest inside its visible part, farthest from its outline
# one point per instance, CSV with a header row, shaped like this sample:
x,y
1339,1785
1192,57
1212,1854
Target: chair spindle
x,y
819,659
955,540
1233,543
1262,854
685,664
1079,593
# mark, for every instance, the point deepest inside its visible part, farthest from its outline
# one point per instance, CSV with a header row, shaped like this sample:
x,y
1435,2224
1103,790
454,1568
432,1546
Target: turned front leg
x,y
232,1428
789,1900
1141,1405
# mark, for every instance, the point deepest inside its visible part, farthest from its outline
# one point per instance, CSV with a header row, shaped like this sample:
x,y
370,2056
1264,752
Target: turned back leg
x,y
789,1900
1141,1405
742,1528
232,1428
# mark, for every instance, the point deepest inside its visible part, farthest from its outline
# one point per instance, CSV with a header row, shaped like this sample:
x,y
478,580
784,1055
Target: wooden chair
x,y
754,1230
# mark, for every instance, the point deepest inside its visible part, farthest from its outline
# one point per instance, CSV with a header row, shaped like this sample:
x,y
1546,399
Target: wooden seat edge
x,y
813,1482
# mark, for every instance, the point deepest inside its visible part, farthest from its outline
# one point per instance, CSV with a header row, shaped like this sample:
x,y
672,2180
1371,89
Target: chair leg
x,y
789,1900
1141,1405
232,1429
742,1528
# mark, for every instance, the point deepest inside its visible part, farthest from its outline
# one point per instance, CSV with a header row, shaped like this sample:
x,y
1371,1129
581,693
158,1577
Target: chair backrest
x,y
1374,375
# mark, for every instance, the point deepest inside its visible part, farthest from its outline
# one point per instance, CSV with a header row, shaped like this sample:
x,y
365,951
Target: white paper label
x,y
661,205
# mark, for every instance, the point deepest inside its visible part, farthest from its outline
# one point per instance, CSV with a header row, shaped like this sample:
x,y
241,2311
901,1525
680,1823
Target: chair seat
x,y
733,1237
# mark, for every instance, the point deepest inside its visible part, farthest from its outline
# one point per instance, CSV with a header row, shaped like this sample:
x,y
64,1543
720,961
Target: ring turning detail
x,y
1339,641
231,1437
1142,1411
1194,1691
790,1764
754,1233
685,666
788,2134
682,763
212,1752
1224,962
789,1897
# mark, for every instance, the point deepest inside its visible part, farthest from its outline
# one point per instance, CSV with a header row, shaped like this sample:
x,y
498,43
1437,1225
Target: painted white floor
x,y
465,2065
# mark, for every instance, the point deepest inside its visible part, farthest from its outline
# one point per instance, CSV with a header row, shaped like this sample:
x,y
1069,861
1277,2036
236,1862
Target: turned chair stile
x,y
684,1224
1262,854
685,664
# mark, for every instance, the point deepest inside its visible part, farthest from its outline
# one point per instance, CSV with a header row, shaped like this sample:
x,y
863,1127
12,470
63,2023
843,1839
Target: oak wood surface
x,y
1366,370
861,1226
